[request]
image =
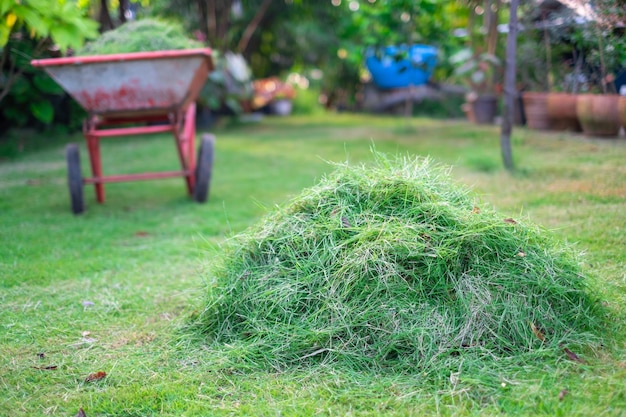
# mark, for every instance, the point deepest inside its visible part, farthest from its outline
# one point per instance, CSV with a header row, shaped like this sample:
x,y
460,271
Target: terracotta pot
x,y
621,107
485,109
561,108
598,114
536,110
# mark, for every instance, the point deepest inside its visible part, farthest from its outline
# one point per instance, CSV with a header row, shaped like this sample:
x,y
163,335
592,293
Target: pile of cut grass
x,y
144,35
391,266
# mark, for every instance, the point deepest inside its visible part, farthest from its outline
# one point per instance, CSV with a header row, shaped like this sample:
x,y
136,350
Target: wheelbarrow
x,y
136,94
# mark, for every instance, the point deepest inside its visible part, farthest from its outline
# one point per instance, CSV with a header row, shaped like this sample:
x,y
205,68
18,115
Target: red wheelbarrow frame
x,y
157,102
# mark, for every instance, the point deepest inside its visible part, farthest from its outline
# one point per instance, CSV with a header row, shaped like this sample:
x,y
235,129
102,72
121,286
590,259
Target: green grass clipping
x,y
391,266
145,35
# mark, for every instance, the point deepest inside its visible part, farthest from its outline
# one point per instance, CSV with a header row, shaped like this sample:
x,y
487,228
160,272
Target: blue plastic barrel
x,y
402,65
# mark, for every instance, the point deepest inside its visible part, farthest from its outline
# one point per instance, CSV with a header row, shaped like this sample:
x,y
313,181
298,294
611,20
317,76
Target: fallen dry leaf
x,y
46,368
562,394
510,220
537,332
141,233
81,413
96,376
572,355
476,210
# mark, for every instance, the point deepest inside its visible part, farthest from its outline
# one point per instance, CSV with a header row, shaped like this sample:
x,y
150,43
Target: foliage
x,y
229,84
477,71
294,35
565,51
394,22
140,36
391,267
604,53
63,21
307,102
603,43
477,64
30,30
32,97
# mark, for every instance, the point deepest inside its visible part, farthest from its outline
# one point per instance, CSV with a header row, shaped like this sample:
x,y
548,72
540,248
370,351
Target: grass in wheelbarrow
x,y
143,35
391,267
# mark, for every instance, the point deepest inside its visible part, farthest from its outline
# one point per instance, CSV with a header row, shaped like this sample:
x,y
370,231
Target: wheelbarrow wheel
x,y
204,168
74,178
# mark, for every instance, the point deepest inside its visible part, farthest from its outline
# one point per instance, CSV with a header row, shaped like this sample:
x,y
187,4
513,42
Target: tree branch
x,y
254,23
104,17
211,21
224,21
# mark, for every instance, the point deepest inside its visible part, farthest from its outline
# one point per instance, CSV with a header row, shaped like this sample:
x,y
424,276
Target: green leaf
x,y
461,56
66,36
20,87
42,110
5,6
16,115
46,84
233,104
35,21
4,34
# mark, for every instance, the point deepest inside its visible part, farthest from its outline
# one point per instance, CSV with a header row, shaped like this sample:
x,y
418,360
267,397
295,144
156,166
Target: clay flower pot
x,y
536,110
561,108
598,114
621,108
485,109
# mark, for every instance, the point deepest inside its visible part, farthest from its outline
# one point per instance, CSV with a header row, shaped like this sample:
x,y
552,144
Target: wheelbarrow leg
x,y
93,145
185,144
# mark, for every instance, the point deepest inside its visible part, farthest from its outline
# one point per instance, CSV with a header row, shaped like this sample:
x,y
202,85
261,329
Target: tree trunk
x,y
123,7
104,17
204,18
491,15
510,92
216,20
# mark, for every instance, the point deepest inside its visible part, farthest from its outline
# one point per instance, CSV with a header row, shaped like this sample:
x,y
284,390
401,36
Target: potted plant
x,y
282,103
533,78
621,106
479,72
598,111
273,95
561,102
228,89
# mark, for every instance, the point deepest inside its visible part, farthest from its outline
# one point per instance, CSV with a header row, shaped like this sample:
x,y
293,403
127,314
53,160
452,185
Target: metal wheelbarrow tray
x,y
136,94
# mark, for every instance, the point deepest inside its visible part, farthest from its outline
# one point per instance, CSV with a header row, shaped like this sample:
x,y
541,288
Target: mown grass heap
x,y
392,266
144,35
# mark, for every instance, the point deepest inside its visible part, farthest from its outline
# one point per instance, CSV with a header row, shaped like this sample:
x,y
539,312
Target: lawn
x,y
112,290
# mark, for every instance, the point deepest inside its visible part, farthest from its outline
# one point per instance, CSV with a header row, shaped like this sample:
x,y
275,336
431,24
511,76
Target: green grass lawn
x,y
112,290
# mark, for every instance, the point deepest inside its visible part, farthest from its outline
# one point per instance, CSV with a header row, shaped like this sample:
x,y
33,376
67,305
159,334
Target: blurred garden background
x,y
98,310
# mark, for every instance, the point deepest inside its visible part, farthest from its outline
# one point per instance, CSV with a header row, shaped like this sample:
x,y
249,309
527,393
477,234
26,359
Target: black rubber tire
x,y
74,178
204,168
